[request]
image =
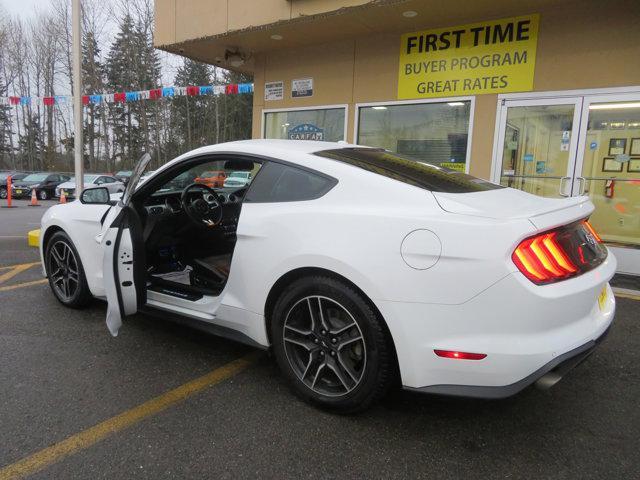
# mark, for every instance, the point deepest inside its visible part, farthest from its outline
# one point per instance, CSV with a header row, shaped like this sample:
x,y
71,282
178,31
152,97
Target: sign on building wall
x,y
302,87
497,56
306,131
273,91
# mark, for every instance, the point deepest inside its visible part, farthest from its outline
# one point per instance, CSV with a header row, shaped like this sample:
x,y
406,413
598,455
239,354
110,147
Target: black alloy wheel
x,y
65,272
332,345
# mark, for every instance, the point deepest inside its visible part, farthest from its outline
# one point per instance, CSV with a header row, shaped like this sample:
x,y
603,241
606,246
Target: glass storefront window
x,y
611,171
325,124
536,151
436,133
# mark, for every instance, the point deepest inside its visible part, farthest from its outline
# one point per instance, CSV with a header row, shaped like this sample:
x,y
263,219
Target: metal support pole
x,y
77,95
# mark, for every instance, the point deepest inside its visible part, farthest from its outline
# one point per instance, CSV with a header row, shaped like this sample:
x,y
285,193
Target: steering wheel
x,y
205,213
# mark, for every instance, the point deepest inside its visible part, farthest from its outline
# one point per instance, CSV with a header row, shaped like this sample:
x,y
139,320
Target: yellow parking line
x,y
10,267
15,271
80,441
22,285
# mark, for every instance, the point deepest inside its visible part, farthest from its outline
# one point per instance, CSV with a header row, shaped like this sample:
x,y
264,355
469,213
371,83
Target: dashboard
x,y
164,210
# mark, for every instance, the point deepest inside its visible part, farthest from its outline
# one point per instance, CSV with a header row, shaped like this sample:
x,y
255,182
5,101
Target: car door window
x,y
106,180
285,183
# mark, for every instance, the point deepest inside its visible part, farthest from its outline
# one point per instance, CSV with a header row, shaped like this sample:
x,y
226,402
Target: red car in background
x,y
212,179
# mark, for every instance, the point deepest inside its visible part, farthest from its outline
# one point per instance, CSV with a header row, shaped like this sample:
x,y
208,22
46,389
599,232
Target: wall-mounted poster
x,y
617,146
609,164
273,91
302,87
635,146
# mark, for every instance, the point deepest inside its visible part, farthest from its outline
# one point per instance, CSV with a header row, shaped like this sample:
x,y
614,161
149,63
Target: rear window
x,y
407,170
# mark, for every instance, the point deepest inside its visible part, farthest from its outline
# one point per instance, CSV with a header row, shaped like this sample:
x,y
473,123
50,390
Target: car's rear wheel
x,y
44,195
331,344
65,272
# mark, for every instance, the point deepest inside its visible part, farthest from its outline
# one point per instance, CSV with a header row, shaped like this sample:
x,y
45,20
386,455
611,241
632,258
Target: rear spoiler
x,y
569,210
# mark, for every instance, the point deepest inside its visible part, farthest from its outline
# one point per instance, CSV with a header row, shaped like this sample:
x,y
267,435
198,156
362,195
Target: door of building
x,y
578,145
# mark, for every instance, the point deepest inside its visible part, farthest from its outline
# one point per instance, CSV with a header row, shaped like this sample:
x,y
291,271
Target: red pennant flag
x,y
14,100
49,101
232,89
155,93
193,90
85,99
119,97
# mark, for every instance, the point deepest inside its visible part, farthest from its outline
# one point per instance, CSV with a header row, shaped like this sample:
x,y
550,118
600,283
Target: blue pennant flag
x,y
132,96
95,98
168,92
245,87
25,100
206,89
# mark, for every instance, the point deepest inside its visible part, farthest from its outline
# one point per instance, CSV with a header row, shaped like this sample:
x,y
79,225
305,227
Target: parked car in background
x,y
123,175
90,180
45,184
212,179
146,176
3,181
238,179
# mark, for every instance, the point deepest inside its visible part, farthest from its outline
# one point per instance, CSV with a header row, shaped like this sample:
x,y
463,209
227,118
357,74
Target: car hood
x,y
73,185
509,203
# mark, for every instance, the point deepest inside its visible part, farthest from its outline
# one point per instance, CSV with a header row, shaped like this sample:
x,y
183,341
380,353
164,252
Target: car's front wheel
x,y
65,272
331,344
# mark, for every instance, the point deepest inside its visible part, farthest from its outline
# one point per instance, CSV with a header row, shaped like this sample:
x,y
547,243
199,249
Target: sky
x,y
26,9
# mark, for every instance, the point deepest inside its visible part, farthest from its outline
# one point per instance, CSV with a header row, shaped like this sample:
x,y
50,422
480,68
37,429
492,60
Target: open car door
x,y
123,265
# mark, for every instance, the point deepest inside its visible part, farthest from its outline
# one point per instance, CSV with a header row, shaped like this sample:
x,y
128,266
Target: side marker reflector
x,y
460,355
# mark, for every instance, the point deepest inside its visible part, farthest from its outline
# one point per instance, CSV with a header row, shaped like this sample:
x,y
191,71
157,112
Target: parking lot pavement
x,y
62,374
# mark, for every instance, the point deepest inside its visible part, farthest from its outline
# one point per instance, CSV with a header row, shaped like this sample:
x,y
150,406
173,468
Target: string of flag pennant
x,y
135,96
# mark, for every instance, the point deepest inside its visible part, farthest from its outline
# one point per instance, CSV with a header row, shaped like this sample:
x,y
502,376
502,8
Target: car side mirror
x,y
96,196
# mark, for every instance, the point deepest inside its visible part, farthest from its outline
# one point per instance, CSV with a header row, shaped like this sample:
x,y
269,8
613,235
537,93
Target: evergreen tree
x,y
192,114
5,134
133,65
93,74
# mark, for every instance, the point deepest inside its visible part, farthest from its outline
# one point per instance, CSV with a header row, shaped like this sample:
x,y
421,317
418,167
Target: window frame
x,y
472,106
344,106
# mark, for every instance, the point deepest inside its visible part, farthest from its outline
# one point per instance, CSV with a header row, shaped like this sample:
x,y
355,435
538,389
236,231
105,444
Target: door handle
x,y
583,185
561,189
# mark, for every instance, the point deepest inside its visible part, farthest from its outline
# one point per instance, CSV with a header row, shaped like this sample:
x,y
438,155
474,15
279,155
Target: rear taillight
x,y
559,254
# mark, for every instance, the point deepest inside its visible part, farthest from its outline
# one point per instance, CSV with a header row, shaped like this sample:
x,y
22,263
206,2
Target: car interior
x,y
189,228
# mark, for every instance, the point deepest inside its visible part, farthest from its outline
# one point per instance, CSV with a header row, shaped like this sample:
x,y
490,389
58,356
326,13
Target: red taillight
x,y
559,254
460,355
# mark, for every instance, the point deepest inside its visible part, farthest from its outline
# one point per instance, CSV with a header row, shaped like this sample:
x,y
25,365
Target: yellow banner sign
x,y
489,57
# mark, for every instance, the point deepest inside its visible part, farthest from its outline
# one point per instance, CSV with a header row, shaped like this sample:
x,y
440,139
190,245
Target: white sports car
x,y
355,265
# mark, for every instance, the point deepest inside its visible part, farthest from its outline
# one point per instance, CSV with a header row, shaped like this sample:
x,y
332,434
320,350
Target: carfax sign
x,y
497,56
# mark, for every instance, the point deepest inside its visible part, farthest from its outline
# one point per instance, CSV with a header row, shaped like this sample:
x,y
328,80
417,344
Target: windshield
x,y
35,177
3,176
407,170
87,179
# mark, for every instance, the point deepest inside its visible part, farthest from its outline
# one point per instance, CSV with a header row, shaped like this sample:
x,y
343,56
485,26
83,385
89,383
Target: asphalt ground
x,y
77,403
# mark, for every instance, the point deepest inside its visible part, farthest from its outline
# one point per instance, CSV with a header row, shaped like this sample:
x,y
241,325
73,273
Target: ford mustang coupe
x,y
358,267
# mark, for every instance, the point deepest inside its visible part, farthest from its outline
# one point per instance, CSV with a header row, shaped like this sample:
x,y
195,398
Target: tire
x,y
3,193
356,372
78,297
43,195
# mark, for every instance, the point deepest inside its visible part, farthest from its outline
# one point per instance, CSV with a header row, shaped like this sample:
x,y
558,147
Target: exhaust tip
x,y
548,380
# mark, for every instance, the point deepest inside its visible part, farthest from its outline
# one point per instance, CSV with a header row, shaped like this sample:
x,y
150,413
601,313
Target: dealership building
x,y
539,95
